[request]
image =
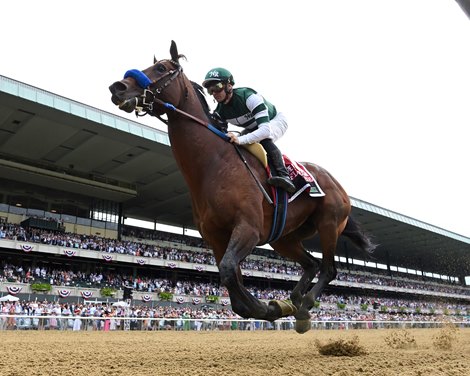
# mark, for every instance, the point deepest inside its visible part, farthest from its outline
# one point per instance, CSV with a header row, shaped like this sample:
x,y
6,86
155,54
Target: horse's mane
x,y
202,98
214,118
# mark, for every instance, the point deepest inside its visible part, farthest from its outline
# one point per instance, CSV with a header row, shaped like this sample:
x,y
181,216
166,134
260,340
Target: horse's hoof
x,y
286,306
303,326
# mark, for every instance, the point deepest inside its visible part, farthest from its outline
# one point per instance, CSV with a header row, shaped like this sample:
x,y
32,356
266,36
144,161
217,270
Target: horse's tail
x,y
360,239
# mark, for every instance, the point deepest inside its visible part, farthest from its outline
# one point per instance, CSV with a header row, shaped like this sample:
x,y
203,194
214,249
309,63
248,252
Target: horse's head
x,y
145,91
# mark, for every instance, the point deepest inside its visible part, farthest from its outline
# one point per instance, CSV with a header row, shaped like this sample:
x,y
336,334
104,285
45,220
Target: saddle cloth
x,y
302,179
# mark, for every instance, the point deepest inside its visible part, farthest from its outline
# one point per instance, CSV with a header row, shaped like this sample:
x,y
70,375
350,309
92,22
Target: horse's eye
x,y
161,68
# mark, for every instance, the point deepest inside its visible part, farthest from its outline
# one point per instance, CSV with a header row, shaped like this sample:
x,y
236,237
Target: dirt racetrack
x,y
229,353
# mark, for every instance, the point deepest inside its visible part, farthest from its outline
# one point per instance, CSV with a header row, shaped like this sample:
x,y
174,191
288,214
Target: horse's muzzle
x,y
128,105
118,90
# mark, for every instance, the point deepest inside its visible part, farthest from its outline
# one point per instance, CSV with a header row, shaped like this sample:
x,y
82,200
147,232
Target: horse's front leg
x,y
241,244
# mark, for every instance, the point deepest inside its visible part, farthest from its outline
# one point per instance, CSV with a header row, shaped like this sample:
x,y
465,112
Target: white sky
x,y
377,92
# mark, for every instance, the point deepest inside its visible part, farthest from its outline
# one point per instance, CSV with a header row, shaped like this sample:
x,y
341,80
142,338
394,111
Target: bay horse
x,y
229,209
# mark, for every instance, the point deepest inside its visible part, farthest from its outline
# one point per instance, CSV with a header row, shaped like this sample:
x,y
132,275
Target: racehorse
x,y
229,208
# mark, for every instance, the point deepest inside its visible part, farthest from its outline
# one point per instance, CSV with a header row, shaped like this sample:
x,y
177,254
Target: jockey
x,y
244,107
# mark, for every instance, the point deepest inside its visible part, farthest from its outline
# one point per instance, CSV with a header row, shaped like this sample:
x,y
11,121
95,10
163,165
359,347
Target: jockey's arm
x,y
263,132
258,108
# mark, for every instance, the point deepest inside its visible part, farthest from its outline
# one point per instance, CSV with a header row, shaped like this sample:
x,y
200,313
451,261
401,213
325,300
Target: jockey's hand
x,y
233,138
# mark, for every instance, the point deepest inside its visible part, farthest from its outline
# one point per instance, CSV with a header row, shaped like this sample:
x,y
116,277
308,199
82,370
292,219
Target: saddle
x,y
300,176
258,151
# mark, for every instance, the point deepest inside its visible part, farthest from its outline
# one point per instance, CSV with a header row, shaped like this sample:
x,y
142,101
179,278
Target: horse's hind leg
x,y
328,239
295,251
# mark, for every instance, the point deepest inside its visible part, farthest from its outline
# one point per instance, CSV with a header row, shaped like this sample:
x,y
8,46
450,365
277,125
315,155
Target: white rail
x,y
78,323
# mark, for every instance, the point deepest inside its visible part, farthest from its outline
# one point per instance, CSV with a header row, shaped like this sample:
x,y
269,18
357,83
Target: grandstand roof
x,y
62,152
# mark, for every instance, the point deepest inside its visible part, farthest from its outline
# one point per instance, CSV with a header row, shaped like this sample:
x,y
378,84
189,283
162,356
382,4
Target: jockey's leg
x,y
282,179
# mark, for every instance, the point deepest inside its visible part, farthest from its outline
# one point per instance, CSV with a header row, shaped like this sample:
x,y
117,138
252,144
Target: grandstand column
x,y
346,254
462,279
120,221
387,258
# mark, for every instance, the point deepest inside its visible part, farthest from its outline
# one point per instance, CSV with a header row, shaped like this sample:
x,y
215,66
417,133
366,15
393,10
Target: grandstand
x,y
72,176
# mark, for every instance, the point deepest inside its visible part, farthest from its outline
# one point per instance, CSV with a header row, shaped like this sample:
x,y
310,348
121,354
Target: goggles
x,y
217,88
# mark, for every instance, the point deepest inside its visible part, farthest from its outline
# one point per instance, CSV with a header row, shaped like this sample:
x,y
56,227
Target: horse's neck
x,y
194,145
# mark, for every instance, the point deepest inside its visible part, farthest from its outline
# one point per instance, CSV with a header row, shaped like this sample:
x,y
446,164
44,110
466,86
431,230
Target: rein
x,y
197,120
221,135
143,105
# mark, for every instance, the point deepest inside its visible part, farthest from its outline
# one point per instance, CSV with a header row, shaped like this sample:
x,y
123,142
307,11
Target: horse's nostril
x,y
117,87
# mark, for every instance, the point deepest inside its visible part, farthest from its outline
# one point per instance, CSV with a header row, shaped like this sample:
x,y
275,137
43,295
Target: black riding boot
x,y
281,179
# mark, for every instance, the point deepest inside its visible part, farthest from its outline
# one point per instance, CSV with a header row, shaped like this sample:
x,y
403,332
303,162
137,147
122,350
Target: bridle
x,y
143,104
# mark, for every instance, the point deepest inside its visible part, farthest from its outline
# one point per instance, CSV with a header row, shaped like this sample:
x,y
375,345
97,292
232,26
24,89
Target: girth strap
x,y
280,214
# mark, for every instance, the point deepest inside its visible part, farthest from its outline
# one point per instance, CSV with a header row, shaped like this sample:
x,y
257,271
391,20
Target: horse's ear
x,y
154,59
174,51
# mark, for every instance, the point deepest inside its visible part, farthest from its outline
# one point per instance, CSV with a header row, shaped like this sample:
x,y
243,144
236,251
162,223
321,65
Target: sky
x,y
377,92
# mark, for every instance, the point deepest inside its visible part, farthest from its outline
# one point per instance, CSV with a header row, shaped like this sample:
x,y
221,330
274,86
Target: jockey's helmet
x,y
218,75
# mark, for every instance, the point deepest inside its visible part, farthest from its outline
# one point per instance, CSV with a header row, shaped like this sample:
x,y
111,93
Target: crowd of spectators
x,y
193,288
195,255
68,278
103,316
143,234
27,274
106,316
